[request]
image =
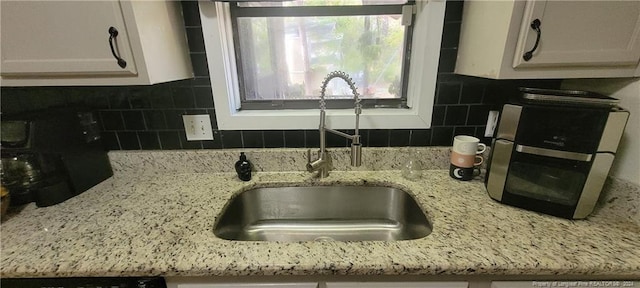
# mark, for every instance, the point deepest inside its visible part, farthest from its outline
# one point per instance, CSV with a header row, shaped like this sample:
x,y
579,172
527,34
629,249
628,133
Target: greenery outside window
x,y
284,49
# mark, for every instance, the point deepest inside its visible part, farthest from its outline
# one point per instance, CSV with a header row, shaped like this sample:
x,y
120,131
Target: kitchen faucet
x,y
324,164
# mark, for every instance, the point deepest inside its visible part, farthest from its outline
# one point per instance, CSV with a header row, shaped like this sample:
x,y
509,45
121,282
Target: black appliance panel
x,y
103,282
561,128
548,179
545,207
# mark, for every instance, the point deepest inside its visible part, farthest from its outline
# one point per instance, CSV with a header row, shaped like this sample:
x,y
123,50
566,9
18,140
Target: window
x,y
270,76
282,60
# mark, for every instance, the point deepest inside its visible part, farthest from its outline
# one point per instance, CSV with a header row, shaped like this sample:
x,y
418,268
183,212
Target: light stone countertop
x,y
162,224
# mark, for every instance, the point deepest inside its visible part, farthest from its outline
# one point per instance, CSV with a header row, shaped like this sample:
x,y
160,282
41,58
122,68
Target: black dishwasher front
x,y
85,282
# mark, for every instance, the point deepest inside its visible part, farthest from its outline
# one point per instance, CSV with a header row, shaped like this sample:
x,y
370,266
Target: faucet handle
x,y
308,155
356,154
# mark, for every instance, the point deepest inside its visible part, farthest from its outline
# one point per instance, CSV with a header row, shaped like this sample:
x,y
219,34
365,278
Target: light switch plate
x,y
197,127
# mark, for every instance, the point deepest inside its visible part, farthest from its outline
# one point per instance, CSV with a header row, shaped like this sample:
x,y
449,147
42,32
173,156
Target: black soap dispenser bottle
x,y
243,168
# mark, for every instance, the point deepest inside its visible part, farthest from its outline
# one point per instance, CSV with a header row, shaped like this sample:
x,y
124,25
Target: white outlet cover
x,y
492,123
197,127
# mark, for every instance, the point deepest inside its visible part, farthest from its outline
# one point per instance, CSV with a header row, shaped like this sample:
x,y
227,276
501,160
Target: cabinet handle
x,y
113,33
535,25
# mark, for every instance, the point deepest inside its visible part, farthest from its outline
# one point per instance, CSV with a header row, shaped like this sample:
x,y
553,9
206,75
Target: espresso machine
x,y
50,156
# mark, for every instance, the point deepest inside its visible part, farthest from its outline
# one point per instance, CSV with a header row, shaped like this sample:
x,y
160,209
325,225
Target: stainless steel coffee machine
x,y
553,150
50,156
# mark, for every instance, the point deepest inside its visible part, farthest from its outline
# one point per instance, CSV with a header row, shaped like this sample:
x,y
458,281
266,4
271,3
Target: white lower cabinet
x,y
430,284
196,283
564,283
241,285
452,284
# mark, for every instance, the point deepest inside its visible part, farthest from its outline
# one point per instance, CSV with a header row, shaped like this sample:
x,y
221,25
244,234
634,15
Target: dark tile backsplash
x,y
150,117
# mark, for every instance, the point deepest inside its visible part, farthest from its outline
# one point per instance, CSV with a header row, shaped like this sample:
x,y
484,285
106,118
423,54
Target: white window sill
x,y
336,119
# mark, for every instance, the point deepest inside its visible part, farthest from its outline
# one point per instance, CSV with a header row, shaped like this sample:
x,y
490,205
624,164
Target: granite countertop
x,y
162,224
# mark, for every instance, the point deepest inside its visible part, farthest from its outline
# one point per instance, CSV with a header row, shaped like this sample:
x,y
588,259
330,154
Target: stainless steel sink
x,y
322,213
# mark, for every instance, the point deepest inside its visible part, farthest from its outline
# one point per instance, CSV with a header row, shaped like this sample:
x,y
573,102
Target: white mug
x,y
467,145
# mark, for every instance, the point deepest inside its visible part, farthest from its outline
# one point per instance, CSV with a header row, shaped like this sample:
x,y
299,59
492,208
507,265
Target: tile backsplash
x,y
150,117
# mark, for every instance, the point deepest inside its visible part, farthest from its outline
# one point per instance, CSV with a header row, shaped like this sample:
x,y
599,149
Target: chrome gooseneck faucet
x,y
323,163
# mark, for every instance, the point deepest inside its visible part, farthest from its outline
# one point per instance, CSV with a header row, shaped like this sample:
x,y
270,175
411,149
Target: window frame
x,y
218,38
238,12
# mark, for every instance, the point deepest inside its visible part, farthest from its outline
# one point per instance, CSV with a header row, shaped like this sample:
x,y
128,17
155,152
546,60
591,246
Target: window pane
x,y
321,3
288,57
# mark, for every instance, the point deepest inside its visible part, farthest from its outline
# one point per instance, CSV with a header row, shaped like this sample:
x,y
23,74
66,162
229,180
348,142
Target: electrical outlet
x,y
492,122
197,127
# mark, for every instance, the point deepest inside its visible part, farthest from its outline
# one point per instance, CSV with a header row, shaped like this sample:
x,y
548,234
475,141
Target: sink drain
x,y
324,238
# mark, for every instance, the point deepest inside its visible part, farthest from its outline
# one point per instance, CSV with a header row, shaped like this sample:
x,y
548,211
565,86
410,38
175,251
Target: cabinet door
x,y
243,285
580,33
63,38
564,283
451,284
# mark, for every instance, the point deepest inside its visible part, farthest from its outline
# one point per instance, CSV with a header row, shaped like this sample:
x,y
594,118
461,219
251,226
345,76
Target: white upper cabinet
x,y
53,43
44,38
580,34
575,39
